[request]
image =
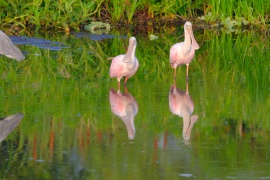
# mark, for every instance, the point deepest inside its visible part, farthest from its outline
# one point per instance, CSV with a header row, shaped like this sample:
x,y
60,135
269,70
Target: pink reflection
x,y
125,106
181,104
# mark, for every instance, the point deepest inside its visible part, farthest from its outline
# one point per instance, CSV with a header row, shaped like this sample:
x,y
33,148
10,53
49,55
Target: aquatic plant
x,y
98,28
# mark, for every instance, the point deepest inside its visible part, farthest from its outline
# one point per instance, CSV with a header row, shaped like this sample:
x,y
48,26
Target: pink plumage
x,y
182,105
182,53
124,106
125,64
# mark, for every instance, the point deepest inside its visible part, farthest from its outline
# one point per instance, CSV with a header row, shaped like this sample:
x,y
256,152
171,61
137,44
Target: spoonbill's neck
x,y
187,42
131,63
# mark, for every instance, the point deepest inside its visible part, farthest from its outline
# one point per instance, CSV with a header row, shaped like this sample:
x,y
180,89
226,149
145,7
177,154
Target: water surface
x,y
70,130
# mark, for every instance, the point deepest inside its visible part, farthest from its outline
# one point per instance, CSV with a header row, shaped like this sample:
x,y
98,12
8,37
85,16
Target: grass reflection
x,y
65,98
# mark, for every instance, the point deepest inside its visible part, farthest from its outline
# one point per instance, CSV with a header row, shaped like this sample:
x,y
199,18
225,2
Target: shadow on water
x,y
38,42
95,37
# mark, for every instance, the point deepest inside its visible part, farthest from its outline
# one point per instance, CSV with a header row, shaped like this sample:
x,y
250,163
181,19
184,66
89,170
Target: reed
x,y
244,12
116,9
68,15
131,9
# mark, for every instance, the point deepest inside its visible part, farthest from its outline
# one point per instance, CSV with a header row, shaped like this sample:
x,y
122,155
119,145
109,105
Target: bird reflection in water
x,y
8,124
181,104
125,106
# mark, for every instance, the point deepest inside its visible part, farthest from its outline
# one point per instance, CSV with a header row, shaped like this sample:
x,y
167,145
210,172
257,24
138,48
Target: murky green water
x,y
69,130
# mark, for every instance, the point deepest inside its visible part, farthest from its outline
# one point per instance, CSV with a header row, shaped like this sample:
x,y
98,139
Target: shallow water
x,y
71,128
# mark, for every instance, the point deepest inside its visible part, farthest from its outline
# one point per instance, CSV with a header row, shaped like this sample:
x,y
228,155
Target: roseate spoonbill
x,y
125,64
181,104
8,49
183,52
125,106
8,124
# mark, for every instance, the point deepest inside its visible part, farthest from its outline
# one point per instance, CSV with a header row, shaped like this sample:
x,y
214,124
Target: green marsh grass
x,y
117,9
50,14
254,12
239,61
132,6
73,14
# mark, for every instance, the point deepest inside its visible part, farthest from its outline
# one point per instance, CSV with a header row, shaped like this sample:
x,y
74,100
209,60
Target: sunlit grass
x,y
50,14
66,15
251,11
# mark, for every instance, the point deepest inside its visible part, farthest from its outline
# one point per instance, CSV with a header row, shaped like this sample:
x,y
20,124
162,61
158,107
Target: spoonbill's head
x,y
131,50
132,41
188,29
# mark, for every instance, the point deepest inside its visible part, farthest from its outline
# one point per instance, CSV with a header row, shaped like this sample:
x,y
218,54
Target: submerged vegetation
x,y
66,14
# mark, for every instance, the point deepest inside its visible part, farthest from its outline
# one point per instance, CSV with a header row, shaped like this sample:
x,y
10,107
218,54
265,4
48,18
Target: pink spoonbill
x,y
124,106
125,64
181,104
8,49
183,52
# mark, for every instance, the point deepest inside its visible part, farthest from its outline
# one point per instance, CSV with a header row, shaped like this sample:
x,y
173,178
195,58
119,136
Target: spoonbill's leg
x,y
125,80
126,91
186,87
118,83
187,72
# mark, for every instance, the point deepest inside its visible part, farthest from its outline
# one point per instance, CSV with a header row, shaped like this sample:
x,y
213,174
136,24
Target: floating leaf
x,y
152,37
98,27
